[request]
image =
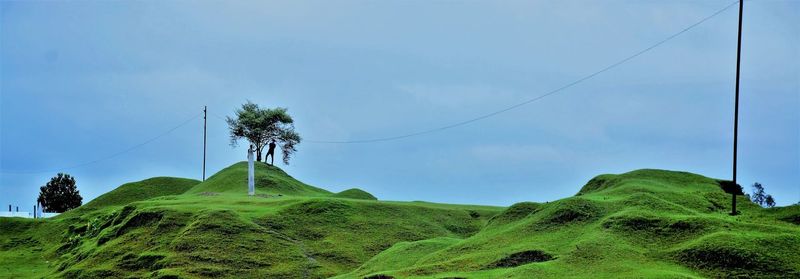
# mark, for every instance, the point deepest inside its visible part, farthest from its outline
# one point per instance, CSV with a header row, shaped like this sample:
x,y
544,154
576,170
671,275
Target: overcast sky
x,y
83,80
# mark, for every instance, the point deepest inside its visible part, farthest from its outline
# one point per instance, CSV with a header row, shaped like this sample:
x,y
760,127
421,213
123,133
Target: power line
x,y
453,125
109,156
557,90
218,117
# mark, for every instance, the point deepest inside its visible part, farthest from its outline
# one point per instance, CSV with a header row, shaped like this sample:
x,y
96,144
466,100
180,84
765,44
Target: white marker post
x,y
251,177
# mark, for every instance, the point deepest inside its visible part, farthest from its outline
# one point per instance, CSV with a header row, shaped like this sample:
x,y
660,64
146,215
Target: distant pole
x,y
736,109
34,212
205,117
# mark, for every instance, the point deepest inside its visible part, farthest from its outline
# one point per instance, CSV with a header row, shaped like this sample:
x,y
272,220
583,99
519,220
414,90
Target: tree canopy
x,y
261,126
761,197
60,194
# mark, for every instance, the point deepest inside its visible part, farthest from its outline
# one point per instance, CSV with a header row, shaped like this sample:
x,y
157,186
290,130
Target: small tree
x,y
761,197
60,194
758,195
769,201
261,126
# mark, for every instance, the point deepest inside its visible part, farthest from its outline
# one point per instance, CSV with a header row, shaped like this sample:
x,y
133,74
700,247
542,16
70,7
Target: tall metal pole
x,y
736,109
205,116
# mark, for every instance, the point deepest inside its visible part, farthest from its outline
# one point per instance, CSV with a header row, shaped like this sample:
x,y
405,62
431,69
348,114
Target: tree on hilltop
x,y
761,197
60,194
261,126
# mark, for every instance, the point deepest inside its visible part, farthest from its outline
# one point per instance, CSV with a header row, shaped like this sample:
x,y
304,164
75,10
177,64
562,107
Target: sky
x,y
90,81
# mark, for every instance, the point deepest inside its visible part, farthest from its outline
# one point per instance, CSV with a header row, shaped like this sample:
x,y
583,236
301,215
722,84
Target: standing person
x,y
271,151
251,177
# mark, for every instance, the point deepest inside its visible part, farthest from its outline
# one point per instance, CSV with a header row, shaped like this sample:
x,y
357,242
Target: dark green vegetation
x,y
59,194
645,223
760,197
263,126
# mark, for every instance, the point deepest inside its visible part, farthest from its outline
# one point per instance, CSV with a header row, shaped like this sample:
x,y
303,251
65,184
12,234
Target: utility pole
x,y
736,109
205,117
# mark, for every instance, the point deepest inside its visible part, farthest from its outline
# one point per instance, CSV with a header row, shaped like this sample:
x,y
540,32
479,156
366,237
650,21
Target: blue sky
x,y
82,80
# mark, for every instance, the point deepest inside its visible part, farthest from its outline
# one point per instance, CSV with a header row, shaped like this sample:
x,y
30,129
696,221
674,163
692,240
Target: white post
x,y
251,183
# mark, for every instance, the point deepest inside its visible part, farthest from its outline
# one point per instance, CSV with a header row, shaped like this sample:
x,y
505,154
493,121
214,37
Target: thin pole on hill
x,y
736,109
205,117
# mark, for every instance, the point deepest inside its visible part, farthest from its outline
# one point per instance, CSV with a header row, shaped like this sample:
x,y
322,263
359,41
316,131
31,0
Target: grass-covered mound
x,y
516,212
753,255
646,223
143,190
289,230
404,254
342,234
269,180
290,237
354,193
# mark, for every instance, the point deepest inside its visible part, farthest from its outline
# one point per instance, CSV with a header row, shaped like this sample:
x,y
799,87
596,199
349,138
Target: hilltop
x,y
644,223
212,229
650,223
142,190
269,179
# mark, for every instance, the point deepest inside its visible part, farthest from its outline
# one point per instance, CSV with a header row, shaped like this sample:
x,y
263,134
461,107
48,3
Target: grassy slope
x,y
143,190
22,256
269,180
289,230
29,244
354,193
646,223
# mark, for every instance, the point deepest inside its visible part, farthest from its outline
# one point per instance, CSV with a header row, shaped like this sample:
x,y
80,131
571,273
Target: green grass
x,y
143,190
354,193
21,256
269,180
645,223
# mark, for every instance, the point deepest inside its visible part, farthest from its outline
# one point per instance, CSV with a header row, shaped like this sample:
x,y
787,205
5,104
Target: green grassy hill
x,y
288,230
143,190
645,223
354,193
269,179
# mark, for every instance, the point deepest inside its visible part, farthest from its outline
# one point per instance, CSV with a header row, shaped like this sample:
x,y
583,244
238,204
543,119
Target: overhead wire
x,y
534,99
111,155
422,132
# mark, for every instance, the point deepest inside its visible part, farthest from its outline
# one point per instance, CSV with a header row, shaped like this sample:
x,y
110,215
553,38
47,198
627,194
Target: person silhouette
x,y
271,151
